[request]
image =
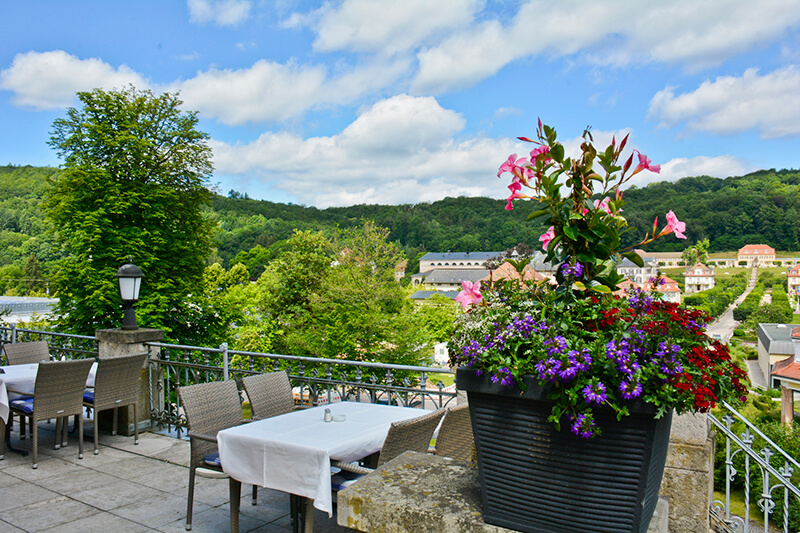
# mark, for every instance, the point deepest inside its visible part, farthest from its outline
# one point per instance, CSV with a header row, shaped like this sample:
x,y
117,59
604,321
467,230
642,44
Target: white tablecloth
x,y
292,452
23,378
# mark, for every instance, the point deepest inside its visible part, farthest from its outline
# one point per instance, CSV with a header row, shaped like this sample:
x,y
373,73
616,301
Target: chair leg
x,y
114,427
57,438
190,499
35,437
94,427
65,432
255,494
235,488
80,436
135,425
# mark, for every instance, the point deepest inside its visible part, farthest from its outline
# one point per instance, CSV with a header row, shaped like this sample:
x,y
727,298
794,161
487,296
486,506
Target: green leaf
x,y
579,285
601,289
586,257
635,258
538,213
557,153
571,232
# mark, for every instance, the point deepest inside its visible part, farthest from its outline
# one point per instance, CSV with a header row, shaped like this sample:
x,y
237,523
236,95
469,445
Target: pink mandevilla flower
x,y
515,189
675,226
470,293
644,164
547,236
536,152
603,205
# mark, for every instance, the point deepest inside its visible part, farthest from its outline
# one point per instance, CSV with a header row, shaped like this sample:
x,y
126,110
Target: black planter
x,y
539,480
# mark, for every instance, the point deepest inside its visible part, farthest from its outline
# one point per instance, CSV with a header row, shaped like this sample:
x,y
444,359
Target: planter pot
x,y
539,480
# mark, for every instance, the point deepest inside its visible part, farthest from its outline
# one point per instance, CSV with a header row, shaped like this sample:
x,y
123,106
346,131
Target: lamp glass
x,y
129,288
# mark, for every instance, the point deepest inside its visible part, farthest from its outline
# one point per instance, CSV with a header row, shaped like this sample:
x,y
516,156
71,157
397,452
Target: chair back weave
x,y
209,408
26,353
414,434
455,435
117,381
270,394
59,388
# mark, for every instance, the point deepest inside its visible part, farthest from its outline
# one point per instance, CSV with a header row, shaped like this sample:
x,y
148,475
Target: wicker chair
x,y
270,394
26,353
116,384
209,408
413,434
58,394
455,435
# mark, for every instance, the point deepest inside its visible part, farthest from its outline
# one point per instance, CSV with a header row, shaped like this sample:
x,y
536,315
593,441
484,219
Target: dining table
x,y
293,452
22,378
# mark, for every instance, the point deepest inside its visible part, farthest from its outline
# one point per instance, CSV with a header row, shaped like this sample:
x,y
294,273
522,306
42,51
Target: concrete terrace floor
x,y
126,488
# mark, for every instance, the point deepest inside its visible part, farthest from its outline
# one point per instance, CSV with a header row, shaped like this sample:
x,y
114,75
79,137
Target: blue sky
x,y
407,101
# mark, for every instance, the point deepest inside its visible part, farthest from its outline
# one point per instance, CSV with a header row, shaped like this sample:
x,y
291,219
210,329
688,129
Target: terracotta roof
x,y
787,368
751,249
796,332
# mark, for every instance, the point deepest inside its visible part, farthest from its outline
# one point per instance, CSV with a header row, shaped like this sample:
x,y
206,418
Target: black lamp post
x,y
130,279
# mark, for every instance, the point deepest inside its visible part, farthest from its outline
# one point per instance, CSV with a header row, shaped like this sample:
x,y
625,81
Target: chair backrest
x,y
270,394
59,388
211,407
26,353
414,434
455,435
117,380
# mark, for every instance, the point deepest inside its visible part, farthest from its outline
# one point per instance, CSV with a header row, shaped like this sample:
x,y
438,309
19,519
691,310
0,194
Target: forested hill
x,y
762,207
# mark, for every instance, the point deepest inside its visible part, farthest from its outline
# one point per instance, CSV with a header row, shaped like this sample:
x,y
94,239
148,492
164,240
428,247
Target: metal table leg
x,y
235,489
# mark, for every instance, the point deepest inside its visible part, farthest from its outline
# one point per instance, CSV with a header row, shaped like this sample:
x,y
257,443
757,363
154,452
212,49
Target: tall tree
x,y
133,183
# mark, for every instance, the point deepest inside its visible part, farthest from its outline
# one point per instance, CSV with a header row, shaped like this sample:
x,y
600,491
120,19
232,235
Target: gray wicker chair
x,y
26,353
209,408
414,434
455,435
58,393
270,394
116,384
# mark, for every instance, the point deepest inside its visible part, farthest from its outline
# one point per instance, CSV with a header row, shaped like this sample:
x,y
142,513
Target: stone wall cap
x,y
129,336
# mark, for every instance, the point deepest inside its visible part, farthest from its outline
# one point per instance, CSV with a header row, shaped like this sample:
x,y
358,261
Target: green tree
x,y
33,280
133,183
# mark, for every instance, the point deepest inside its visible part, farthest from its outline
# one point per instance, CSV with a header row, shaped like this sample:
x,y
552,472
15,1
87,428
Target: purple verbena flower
x,y
628,365
581,359
548,368
556,345
595,392
583,425
630,389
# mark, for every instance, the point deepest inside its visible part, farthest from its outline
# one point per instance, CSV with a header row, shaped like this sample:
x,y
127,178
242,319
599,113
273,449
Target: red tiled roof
x,y
796,332
787,369
755,249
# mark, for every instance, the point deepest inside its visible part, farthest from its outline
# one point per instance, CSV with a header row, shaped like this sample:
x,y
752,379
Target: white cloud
x,y
222,13
732,104
401,150
49,80
385,26
613,32
722,166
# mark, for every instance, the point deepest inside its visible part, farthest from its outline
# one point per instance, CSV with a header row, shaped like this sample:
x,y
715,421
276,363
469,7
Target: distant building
x,y
785,374
668,287
757,254
774,345
698,278
400,270
661,259
635,273
460,260
449,279
793,280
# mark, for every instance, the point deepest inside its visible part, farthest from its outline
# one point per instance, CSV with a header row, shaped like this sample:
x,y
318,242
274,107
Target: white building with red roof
x,y
759,254
793,280
698,278
668,287
786,375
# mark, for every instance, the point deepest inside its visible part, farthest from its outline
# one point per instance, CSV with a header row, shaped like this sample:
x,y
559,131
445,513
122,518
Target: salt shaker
x,y
328,416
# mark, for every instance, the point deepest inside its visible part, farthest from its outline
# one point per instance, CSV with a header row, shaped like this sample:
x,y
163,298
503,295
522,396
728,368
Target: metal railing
x,y
315,381
62,345
773,478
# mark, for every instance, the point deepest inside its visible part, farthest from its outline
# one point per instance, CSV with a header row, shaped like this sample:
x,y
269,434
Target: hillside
x,y
759,207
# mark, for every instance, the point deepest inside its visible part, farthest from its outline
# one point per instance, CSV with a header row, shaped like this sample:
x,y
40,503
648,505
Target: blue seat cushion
x,y
88,396
212,459
23,404
343,479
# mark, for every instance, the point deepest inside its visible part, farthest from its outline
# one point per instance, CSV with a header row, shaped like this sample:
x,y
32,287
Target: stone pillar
x,y
688,481
117,342
787,405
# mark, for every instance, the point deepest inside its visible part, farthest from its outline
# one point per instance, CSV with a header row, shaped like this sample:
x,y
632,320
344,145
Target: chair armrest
x,y
20,392
352,467
201,436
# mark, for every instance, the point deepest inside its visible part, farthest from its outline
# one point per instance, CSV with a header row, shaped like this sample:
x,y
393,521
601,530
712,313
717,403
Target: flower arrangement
x,y
586,343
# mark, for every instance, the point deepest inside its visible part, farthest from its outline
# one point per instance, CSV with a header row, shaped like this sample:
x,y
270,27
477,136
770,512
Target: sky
x,y
407,101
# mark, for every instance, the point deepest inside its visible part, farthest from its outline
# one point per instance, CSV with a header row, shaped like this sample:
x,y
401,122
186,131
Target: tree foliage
x,y
133,184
